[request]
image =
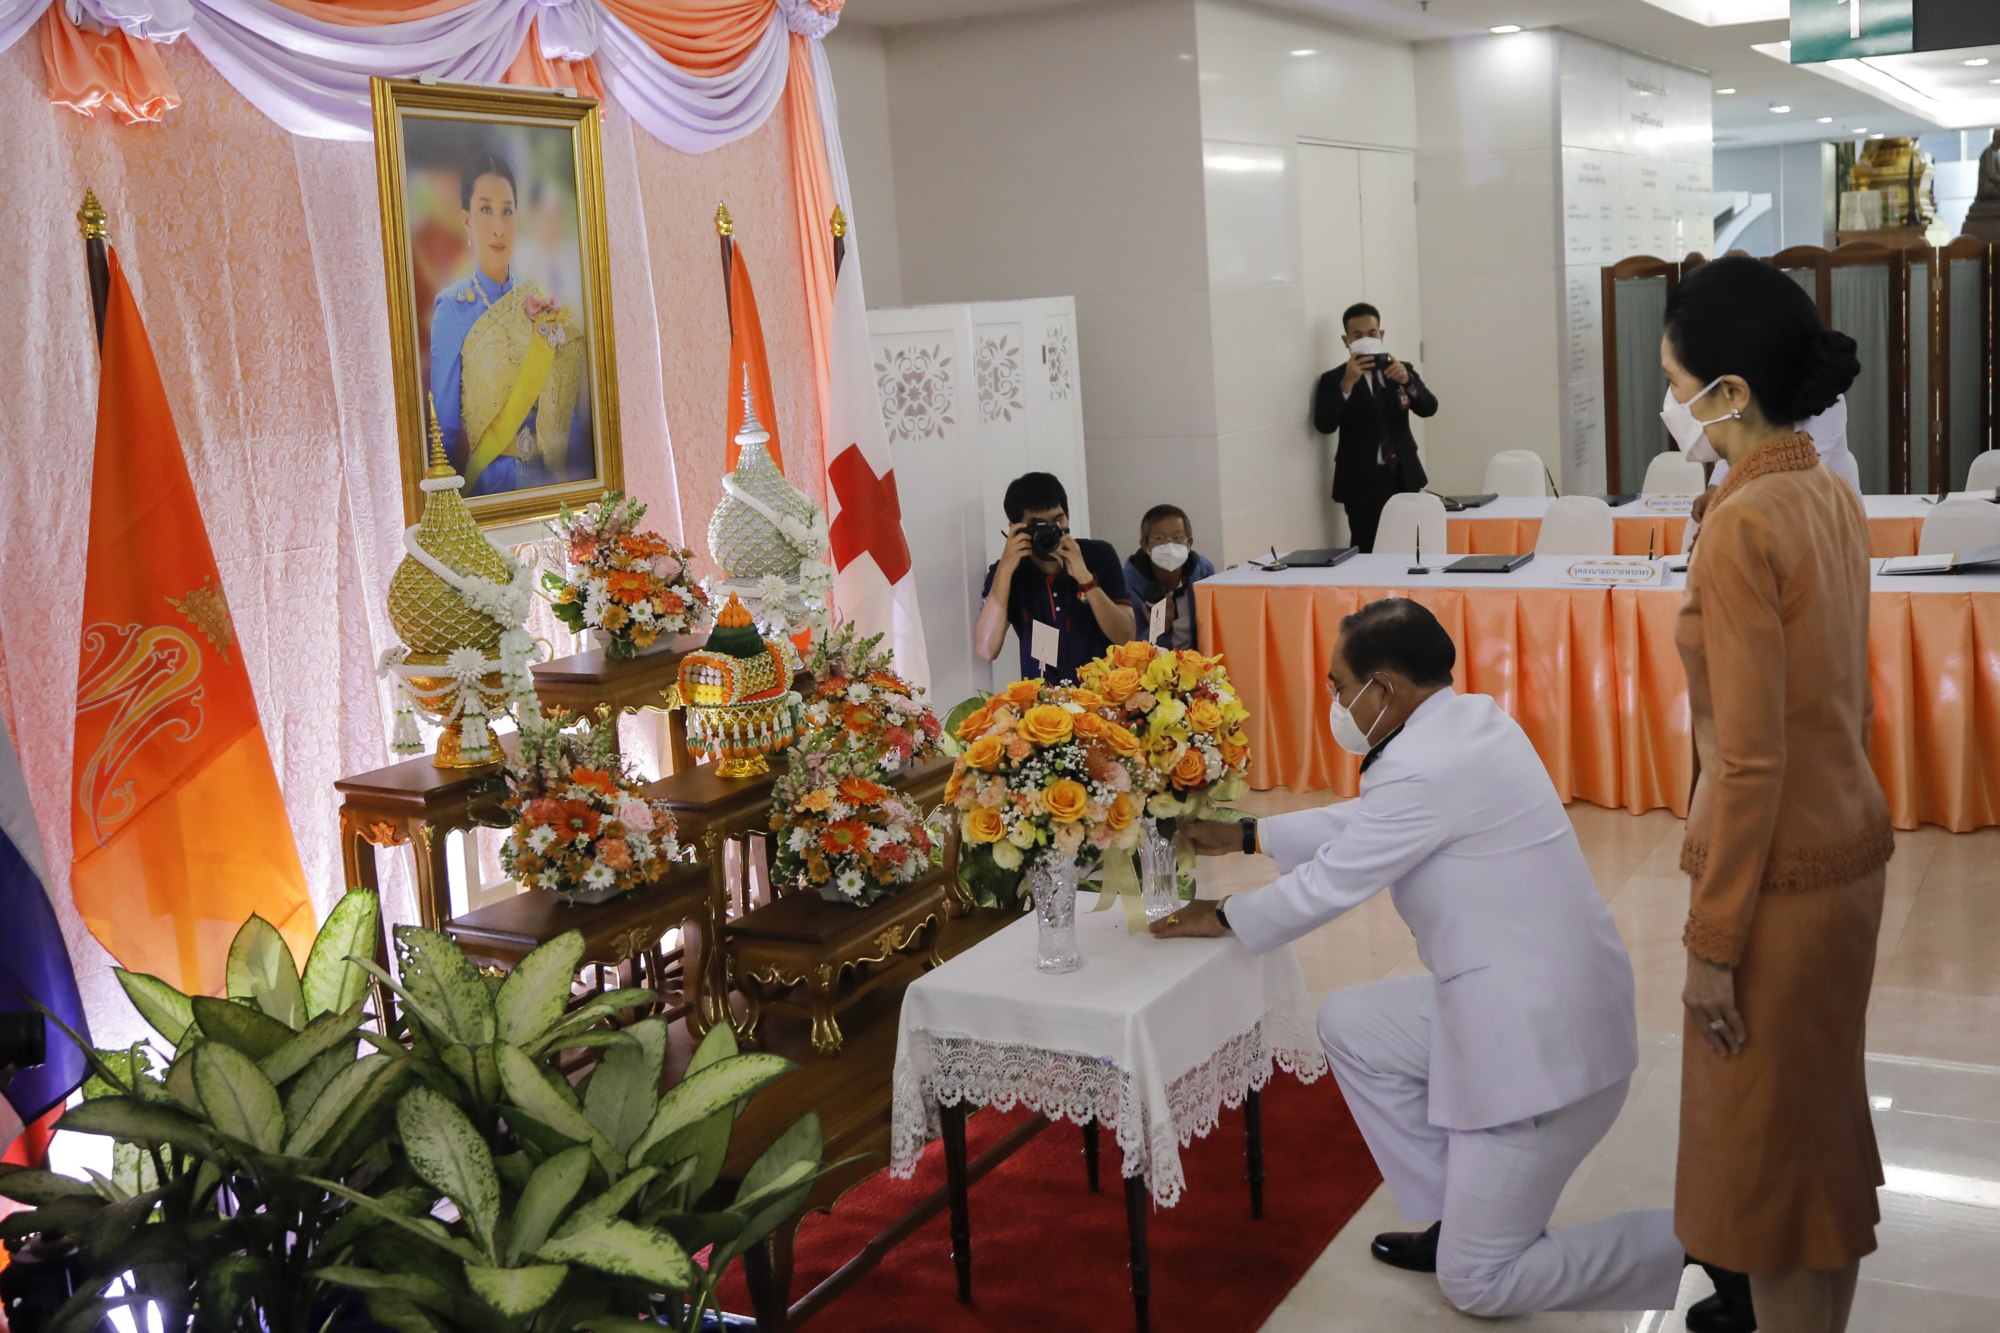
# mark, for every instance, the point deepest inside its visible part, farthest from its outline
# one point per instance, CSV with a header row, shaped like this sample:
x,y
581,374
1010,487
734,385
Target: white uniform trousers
x,y
1493,1189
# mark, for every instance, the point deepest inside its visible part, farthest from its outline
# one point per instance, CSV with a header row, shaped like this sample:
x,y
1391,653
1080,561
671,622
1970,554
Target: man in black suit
x,y
1369,401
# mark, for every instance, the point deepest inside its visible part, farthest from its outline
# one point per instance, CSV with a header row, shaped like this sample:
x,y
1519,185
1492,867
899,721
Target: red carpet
x,y
1049,1256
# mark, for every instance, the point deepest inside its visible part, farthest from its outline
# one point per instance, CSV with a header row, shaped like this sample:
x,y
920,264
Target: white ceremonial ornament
x,y
1152,1038
1044,644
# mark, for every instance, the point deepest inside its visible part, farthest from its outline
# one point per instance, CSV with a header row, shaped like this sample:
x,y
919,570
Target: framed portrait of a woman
x,y
499,294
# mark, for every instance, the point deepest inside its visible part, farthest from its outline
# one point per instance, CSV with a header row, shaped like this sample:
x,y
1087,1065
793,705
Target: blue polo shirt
x,y
1053,599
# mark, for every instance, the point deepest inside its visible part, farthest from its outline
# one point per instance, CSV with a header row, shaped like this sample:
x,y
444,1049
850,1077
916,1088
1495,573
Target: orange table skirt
x,y
1593,677
1642,535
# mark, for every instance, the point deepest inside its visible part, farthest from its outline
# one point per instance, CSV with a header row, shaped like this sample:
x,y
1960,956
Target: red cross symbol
x,y
871,517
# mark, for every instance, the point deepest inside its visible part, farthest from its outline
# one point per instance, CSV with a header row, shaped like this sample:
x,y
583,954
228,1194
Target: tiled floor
x,y
1934,1072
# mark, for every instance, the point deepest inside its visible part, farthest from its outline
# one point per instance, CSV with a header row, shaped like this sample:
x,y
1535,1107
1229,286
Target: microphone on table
x,y
1652,537
1420,567
1554,489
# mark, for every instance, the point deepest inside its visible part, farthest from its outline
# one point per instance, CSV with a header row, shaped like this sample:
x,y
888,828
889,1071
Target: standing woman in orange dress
x,y
1788,834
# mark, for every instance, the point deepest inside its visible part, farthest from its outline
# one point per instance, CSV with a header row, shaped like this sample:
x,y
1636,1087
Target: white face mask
x,y
1168,556
1368,346
1347,733
1690,434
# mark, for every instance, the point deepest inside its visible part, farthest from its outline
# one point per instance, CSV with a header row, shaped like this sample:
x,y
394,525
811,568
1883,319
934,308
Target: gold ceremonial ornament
x,y
434,619
724,224
737,690
839,221
90,219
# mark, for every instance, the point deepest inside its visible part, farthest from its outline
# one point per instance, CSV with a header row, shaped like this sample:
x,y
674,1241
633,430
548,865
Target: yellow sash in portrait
x,y
513,364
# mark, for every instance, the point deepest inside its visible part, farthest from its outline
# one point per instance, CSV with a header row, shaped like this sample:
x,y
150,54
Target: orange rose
x,y
975,722
1089,724
1086,698
1191,771
1065,799
1233,754
1120,683
985,752
1204,715
1024,692
1138,654
816,800
1121,813
953,785
983,825
1047,724
1121,740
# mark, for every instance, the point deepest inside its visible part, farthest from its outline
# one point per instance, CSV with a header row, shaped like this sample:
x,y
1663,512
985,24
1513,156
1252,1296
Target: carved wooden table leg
x,y
826,1038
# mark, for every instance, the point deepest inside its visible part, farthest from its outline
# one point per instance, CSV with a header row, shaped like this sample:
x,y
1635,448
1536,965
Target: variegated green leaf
x,y
309,1085
352,1083
332,984
706,1142
250,1031
262,969
36,1188
587,1016
167,1010
424,1228
609,1204
239,1100
625,1250
435,971
776,1185
136,1122
624,1089
323,1034
447,1150
548,1195
532,999
515,1292
701,1095
529,1090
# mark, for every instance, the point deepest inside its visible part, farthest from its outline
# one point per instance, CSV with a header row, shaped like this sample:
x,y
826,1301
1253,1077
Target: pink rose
x,y
635,815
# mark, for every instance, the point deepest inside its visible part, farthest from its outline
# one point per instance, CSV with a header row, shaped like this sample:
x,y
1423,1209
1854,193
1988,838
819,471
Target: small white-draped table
x,y
1150,1038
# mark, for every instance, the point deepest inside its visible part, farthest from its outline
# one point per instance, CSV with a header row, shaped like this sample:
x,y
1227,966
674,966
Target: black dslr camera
x,y
1045,537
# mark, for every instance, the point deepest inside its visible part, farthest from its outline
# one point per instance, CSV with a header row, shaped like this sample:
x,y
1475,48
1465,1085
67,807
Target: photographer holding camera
x,y
1064,597
1369,402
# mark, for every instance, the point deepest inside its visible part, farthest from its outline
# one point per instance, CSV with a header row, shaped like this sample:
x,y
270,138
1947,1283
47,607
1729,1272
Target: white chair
x,y
1984,474
1409,517
1516,472
1959,525
1674,473
1577,525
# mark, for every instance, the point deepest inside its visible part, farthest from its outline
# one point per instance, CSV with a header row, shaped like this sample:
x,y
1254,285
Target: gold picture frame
x,y
529,408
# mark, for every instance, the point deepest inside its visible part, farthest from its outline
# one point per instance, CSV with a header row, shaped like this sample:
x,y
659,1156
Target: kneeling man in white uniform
x,y
1483,1085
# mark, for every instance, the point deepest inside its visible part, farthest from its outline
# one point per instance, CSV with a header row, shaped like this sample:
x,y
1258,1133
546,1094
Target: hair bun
x,y
1825,372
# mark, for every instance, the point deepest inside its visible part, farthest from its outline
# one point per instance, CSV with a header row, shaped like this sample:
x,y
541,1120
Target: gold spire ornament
x,y
737,689
724,224
90,219
457,602
839,222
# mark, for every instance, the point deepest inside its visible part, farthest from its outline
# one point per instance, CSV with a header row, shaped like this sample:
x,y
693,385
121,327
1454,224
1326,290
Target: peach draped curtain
x,y
1593,677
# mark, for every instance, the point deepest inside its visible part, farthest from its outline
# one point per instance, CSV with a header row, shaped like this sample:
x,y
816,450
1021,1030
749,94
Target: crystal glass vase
x,y
1052,878
1159,886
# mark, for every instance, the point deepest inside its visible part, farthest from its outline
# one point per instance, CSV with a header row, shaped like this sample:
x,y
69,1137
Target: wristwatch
x,y
1222,914
1085,589
1250,837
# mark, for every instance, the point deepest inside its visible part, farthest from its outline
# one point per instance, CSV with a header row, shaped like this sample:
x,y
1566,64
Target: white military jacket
x,y
1457,818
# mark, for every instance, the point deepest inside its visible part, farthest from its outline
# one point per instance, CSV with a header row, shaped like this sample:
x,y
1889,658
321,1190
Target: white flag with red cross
x,y
873,583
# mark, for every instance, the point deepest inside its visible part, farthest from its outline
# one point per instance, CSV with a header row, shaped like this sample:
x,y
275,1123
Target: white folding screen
x,y
972,397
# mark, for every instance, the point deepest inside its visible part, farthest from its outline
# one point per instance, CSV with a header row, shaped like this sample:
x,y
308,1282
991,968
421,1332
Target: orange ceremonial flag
x,y
178,828
746,353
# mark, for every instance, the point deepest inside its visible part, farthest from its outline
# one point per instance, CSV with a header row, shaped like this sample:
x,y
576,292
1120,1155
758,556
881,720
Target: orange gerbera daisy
x,y
848,835
628,586
860,791
596,779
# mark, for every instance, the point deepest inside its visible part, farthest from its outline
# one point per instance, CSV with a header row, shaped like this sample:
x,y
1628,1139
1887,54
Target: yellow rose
x,y
1121,740
1024,692
1086,698
1191,771
1065,799
1047,724
1120,683
1204,715
1090,724
1121,813
986,752
953,785
984,826
1135,654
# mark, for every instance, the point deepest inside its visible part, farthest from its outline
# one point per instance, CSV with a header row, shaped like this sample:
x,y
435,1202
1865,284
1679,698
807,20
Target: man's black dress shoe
x,y
1416,1251
1729,1310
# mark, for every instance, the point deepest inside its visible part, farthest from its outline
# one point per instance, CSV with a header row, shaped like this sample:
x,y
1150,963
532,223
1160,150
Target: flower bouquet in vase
x,y
842,832
1189,721
581,829
631,588
1045,787
861,705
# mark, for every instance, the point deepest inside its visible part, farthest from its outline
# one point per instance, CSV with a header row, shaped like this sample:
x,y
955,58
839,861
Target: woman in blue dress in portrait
x,y
507,358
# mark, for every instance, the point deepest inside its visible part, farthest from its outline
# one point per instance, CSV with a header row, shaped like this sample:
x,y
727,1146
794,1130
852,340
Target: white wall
x,y
859,59
1258,102
1794,176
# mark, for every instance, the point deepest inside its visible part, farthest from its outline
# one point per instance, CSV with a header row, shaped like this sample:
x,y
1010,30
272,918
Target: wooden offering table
x,y
416,801
585,682
626,931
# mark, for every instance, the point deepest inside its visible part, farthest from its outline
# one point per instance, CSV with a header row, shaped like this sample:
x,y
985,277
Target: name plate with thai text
x,y
1679,505
1617,570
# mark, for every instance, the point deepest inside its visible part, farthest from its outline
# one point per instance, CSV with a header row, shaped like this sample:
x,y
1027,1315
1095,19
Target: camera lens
x,y
24,1040
1046,537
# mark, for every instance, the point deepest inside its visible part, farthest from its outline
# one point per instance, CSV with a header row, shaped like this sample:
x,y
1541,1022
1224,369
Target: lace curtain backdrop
x,y
256,260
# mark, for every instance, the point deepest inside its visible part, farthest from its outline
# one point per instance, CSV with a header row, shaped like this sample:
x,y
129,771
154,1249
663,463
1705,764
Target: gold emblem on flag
x,y
208,612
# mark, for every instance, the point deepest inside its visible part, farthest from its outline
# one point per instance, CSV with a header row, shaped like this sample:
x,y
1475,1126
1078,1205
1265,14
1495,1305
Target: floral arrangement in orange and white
x,y
1043,773
581,827
843,832
1187,717
860,702
635,588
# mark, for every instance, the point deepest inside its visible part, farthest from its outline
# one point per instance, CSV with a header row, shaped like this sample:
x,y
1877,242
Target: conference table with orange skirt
x,y
1592,674
1654,525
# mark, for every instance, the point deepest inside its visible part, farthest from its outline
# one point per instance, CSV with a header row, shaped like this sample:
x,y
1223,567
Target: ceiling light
x,y
1875,136
1724,92
1977,61
1779,110
1861,129
1308,51
1826,120
1504,28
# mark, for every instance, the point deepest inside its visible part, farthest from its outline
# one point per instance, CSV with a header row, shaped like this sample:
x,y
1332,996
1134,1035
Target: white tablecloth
x,y
1537,506
1151,1038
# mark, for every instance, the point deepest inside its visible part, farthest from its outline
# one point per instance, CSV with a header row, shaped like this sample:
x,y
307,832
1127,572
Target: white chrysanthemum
x,y
642,846
1007,856
857,693
599,876
838,811
540,838
878,839
798,840
850,883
